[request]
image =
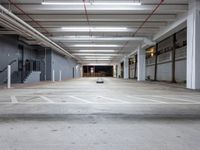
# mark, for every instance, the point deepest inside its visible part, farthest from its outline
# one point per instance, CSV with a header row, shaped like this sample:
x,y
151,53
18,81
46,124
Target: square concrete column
x,y
193,45
81,71
141,54
126,67
118,70
114,71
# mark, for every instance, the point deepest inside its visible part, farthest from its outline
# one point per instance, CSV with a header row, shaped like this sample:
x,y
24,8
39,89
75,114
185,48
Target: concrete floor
x,y
80,114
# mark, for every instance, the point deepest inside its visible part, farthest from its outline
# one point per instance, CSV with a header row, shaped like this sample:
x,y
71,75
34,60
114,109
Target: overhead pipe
x,y
23,29
12,27
29,16
14,20
87,16
145,21
149,16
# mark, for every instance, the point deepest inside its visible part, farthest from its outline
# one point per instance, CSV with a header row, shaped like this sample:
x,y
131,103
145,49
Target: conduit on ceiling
x,y
87,17
145,21
15,23
37,23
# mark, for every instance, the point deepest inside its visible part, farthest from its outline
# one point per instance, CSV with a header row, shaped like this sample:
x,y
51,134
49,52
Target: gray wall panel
x,y
181,71
8,52
150,71
164,72
64,64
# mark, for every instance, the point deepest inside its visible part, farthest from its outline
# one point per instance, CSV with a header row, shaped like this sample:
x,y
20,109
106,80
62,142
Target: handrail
x,y
13,61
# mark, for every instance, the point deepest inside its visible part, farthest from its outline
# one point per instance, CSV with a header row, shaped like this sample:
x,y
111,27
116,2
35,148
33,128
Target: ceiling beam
x,y
142,8
127,18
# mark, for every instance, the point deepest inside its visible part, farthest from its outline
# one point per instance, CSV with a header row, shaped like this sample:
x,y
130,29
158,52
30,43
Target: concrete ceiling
x,y
100,45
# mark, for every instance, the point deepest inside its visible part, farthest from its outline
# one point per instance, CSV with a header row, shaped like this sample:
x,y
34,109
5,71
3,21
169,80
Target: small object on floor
x,y
100,81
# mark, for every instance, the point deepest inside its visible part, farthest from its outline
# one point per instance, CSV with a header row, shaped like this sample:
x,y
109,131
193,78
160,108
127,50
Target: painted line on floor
x,y
193,96
46,99
13,99
80,99
171,98
147,99
115,100
61,103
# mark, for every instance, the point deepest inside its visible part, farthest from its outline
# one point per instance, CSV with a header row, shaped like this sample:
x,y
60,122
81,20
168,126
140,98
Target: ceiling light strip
x,y
94,3
103,29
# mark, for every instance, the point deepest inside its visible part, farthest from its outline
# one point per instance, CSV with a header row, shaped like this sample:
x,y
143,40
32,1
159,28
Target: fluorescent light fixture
x,y
117,4
63,3
94,45
94,29
94,54
95,3
97,59
97,51
96,38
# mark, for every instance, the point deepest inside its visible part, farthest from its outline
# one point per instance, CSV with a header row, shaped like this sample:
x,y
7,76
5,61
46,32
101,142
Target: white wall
x,y
164,72
180,71
64,64
150,71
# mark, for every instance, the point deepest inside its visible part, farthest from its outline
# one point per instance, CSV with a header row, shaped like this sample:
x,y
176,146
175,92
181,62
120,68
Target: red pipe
x,y
87,16
47,32
149,16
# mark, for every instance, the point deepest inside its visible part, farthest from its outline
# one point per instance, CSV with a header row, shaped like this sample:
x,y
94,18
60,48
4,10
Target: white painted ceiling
x,y
102,46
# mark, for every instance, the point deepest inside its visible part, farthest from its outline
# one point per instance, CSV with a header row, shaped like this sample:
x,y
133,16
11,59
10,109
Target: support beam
x,y
156,63
53,76
9,77
193,46
114,71
141,64
126,67
172,28
135,72
119,70
174,59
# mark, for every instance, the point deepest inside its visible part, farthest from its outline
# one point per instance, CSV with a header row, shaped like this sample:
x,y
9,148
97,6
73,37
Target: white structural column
x,y
9,77
114,71
126,68
53,76
118,70
193,45
141,54
78,71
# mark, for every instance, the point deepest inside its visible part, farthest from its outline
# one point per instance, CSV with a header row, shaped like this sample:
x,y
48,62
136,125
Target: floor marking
x,y
13,99
147,99
80,99
46,99
60,103
115,100
193,96
176,99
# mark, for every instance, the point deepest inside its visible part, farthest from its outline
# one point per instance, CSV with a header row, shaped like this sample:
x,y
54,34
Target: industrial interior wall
x,y
131,71
133,67
68,67
13,49
164,61
118,70
150,71
8,53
